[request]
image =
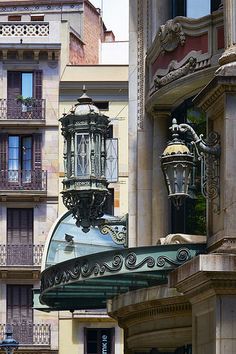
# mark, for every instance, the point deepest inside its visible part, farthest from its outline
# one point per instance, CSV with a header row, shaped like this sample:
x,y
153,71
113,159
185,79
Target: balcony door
x,y
24,95
20,313
20,236
21,162
19,158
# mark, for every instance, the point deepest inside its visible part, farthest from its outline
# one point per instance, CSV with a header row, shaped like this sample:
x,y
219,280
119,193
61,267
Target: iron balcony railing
x,y
16,109
23,180
20,255
29,333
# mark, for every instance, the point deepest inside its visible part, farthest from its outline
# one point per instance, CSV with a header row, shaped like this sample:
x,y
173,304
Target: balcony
x,y
21,255
12,110
29,333
22,180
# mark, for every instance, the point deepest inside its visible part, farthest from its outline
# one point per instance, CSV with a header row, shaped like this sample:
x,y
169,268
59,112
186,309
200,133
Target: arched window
x,y
193,8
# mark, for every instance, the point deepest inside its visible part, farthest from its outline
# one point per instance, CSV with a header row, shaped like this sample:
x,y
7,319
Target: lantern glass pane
x,y
112,160
97,154
83,152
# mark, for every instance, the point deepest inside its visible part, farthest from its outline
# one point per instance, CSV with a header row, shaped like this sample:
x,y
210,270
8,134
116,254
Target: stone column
x,y
160,203
209,282
229,54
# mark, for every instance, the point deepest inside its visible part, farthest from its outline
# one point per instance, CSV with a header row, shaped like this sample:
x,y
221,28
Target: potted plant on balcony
x,y
27,103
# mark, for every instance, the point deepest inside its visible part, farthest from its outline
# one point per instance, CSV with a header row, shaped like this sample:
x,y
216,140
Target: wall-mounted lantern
x,y
9,344
86,147
177,164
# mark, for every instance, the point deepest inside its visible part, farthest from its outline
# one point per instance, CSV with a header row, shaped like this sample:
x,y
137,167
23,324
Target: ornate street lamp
x,y
85,186
85,191
177,163
9,344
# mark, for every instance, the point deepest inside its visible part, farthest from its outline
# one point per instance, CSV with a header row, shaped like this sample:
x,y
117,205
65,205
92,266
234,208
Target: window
x,y
99,340
20,158
193,8
37,18
20,236
102,105
190,218
20,313
25,84
14,18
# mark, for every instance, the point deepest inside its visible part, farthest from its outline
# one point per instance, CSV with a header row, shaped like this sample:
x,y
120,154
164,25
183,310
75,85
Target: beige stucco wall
x,y
71,332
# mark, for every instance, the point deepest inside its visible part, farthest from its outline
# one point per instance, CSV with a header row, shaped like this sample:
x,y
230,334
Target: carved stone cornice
x,y
206,276
212,92
155,313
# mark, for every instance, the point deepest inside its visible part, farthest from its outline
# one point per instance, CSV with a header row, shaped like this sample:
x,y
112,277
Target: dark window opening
x,y
37,18
14,18
99,341
193,8
190,218
102,105
110,131
109,203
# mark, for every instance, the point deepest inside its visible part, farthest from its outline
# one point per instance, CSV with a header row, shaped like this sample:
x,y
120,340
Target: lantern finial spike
x,y
84,89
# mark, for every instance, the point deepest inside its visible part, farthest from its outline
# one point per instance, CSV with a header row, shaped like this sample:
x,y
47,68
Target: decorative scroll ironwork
x,y
29,333
15,110
21,255
24,29
153,258
23,180
117,228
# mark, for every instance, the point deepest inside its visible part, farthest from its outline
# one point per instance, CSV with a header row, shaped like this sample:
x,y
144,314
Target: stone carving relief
x,y
181,239
175,74
171,35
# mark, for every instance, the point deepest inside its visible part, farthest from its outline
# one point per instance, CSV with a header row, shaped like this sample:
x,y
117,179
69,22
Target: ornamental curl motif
x,y
118,235
131,261
182,256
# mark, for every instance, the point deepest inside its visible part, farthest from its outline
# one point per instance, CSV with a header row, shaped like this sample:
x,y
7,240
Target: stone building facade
x,y
182,57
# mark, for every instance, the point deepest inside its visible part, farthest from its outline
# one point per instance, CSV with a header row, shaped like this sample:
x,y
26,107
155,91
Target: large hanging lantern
x,y
177,164
85,185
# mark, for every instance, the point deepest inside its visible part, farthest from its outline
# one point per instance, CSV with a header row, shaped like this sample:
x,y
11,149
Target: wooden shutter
x,y
3,152
37,151
20,226
13,84
13,90
19,311
38,84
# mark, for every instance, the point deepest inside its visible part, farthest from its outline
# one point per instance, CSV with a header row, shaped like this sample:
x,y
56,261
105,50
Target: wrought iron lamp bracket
x,y
117,228
208,152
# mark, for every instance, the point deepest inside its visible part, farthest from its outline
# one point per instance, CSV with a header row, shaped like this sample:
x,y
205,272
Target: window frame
x,y
99,330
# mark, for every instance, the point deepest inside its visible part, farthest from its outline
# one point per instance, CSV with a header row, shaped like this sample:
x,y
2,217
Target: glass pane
x,y
198,8
26,158
83,153
97,142
112,160
13,158
27,85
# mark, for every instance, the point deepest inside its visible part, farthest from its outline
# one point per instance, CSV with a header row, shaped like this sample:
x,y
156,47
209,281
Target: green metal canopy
x,y
87,282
